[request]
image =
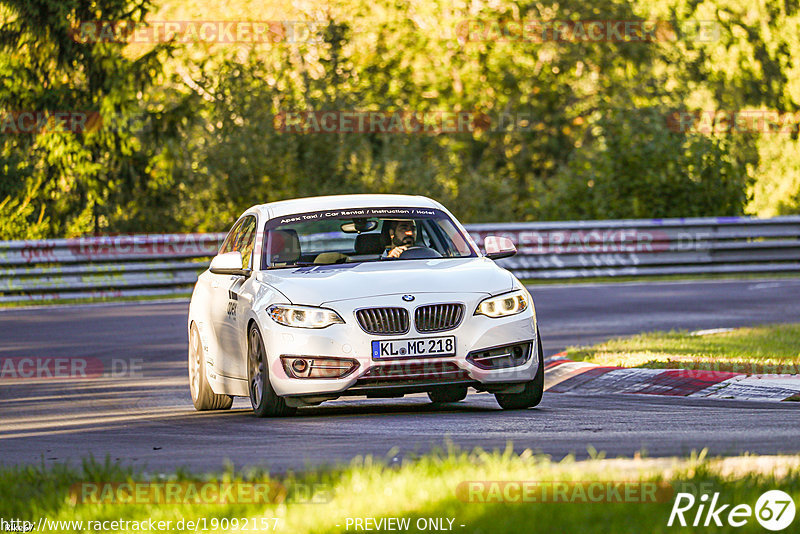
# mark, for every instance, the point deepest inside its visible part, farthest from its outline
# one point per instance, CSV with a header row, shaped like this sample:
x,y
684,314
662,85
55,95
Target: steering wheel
x,y
419,253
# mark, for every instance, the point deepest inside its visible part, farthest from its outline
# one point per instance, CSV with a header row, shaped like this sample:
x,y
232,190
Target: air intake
x,y
501,357
438,317
383,320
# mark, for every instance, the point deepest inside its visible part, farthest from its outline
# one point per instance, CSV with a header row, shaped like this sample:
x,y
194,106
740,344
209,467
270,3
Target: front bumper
x,y
392,377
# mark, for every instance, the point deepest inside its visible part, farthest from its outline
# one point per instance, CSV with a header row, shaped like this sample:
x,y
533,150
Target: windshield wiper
x,y
293,265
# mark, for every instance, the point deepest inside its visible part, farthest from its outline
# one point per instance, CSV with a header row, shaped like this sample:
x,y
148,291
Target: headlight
x,y
303,316
504,305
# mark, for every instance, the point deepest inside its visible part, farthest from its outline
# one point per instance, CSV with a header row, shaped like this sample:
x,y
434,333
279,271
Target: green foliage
x,y
83,178
20,220
576,129
777,188
636,167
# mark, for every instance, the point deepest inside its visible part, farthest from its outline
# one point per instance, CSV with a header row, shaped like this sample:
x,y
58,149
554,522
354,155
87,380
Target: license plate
x,y
413,348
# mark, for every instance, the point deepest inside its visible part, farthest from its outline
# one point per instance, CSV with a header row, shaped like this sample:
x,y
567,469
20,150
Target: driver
x,y
403,234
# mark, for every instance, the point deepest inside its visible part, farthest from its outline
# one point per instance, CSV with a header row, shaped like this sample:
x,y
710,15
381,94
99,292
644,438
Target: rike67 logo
x,y
774,510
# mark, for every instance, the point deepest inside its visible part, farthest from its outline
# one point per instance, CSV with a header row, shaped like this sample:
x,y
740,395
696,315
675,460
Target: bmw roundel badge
x,y
408,298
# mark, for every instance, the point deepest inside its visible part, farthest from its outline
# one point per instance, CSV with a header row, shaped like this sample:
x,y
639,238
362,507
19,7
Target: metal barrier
x,y
153,265
103,267
707,245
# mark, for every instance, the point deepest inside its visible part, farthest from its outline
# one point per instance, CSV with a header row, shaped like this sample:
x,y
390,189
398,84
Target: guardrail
x,y
168,264
707,245
103,267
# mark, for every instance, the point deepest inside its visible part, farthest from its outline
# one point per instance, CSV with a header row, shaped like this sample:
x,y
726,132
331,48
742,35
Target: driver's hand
x,y
396,251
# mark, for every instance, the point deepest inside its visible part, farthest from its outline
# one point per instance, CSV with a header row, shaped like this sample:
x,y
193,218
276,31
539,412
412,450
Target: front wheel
x,y
266,403
203,397
532,394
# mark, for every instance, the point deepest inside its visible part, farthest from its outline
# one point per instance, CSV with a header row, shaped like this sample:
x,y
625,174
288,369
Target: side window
x,y
241,238
246,241
454,236
228,244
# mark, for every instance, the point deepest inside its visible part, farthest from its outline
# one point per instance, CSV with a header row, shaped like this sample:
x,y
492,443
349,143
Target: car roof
x,y
283,208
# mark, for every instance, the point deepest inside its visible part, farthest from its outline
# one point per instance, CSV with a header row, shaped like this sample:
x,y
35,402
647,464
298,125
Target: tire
x,y
449,394
203,397
532,394
265,402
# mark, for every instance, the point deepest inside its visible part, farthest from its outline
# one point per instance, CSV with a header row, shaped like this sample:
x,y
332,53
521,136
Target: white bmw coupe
x,y
312,299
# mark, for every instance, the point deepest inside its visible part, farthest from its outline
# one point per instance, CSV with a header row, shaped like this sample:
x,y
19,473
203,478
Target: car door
x,y
232,298
220,311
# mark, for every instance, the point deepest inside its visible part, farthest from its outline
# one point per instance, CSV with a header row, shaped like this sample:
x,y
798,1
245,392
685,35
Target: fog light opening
x,y
315,367
299,366
501,357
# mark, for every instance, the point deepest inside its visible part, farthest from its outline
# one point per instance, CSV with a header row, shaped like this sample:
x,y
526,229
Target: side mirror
x,y
498,247
229,263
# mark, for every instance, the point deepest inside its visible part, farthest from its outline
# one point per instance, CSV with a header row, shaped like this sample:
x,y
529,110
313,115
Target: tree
x,y
83,178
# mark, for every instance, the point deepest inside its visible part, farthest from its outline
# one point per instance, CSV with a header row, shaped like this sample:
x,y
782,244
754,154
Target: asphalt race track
x,y
144,416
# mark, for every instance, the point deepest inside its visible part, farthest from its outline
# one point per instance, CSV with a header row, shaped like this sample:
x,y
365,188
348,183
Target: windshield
x,y
360,235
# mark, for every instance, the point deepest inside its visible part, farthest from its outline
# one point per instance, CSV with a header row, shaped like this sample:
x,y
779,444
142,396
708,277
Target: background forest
x,y
579,130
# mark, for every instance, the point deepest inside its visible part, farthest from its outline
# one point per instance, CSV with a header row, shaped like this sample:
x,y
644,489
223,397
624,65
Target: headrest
x,y
369,244
283,246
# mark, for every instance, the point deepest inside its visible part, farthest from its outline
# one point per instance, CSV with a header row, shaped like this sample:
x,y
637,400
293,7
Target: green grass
x,y
660,278
425,487
760,349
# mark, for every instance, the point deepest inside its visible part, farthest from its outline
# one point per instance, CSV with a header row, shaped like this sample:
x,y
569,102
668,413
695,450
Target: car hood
x,y
320,284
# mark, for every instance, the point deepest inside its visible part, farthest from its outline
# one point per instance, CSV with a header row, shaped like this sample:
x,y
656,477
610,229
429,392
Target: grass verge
x,y
441,486
759,349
